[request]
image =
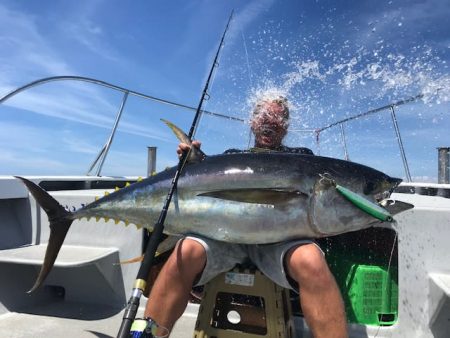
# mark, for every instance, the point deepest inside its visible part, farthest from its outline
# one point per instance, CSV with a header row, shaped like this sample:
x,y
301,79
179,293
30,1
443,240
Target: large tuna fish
x,y
240,198
251,198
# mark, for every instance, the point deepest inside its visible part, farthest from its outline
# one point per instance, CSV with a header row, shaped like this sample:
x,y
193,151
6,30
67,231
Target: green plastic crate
x,y
369,291
372,295
365,265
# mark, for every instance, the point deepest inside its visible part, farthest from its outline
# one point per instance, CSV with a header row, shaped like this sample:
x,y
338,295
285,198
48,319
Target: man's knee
x,y
188,254
307,262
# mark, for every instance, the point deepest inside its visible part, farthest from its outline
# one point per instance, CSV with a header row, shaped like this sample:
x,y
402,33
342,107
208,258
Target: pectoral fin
x,y
396,207
259,196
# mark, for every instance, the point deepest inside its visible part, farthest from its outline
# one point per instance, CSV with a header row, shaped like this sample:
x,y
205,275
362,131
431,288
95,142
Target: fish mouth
x,y
389,185
394,182
382,189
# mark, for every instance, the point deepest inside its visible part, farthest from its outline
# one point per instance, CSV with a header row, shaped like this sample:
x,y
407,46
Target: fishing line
x,y
207,97
387,272
249,70
250,79
249,138
392,252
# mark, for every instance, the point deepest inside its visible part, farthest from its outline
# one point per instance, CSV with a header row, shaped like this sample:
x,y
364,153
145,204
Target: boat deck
x,y
85,294
57,320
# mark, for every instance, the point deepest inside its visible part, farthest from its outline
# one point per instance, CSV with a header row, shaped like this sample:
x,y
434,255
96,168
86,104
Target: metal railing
x,y
101,157
391,109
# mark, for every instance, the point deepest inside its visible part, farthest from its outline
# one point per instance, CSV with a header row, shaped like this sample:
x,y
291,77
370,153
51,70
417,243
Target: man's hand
x,y
183,147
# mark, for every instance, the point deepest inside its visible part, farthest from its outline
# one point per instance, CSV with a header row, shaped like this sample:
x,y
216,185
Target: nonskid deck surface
x,y
88,323
79,320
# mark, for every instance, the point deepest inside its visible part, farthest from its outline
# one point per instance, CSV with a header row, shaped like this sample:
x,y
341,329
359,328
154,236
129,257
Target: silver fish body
x,y
251,198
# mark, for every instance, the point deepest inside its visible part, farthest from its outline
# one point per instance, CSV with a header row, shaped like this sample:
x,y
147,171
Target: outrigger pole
x,y
155,238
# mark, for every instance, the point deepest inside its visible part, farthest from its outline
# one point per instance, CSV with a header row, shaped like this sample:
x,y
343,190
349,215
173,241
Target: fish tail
x,y
60,221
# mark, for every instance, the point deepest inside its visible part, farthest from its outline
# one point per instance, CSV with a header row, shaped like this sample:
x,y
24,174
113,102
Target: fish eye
x,y
369,188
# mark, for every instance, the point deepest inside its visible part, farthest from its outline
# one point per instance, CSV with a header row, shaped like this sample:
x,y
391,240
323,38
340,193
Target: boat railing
x,y
101,157
391,108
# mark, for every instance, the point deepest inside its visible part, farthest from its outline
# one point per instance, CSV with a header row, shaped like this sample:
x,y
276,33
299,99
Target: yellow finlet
x,y
139,179
97,198
97,219
127,184
106,193
106,219
116,221
116,189
127,222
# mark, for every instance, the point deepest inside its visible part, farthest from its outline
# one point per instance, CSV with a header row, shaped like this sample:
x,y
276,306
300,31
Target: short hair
x,y
280,100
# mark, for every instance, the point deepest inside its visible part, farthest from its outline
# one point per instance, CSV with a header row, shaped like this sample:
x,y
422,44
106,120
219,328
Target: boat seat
x,y
243,303
89,273
12,188
439,303
69,256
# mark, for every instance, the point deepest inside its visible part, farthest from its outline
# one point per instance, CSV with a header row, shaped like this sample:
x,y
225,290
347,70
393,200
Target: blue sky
x,y
332,60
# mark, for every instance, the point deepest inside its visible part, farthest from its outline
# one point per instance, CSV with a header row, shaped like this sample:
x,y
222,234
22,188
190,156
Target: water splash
x,y
338,67
355,84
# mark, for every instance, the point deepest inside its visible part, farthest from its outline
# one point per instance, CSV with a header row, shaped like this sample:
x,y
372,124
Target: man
x,y
298,264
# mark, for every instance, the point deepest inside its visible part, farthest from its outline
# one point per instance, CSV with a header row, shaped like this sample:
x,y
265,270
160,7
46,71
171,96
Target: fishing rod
x,y
141,280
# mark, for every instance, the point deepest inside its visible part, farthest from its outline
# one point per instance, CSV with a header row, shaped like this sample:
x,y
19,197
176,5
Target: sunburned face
x,y
269,124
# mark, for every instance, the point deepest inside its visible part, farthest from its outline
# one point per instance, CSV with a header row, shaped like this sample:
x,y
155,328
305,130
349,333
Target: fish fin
x,y
60,222
395,207
255,195
195,154
165,248
132,260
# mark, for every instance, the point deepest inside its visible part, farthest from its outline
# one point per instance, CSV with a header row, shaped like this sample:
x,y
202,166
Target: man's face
x,y
269,125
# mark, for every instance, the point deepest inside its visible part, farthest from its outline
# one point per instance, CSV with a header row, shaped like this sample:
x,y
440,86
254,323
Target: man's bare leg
x,y
320,297
171,291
